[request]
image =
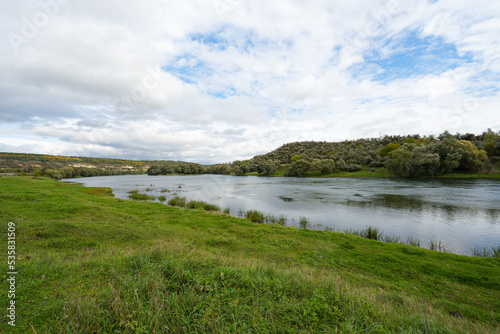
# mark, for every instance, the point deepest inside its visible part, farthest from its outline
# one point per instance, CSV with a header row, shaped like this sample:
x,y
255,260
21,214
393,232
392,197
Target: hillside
x,y
403,156
59,167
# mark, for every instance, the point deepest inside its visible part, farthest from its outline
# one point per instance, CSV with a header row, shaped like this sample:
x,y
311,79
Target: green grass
x,y
91,263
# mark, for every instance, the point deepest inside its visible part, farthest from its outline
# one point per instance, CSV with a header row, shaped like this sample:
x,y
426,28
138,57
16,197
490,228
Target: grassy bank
x,y
90,263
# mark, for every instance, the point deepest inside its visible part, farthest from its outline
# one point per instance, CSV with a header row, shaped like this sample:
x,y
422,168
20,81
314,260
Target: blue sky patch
x,y
222,94
410,55
188,69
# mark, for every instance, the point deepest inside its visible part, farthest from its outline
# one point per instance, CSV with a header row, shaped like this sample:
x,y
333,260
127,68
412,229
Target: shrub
x,y
353,168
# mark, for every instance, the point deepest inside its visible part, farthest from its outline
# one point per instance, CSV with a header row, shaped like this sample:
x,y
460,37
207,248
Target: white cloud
x,y
239,78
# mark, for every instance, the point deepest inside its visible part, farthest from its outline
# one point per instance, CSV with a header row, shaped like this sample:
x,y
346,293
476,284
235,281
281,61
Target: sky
x,y
213,81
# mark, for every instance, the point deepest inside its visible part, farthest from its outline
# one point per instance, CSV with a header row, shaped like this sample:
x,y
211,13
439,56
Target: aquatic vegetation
x,y
437,245
135,195
392,239
255,216
413,241
178,201
304,222
272,219
486,252
373,233
200,205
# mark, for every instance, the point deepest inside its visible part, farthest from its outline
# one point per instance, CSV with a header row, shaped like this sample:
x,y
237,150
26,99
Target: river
x,y
462,214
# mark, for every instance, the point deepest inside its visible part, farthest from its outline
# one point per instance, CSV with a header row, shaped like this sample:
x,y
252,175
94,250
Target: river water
x,y
462,214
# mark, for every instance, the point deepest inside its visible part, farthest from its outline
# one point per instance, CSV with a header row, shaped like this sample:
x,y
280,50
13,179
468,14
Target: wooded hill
x,y
59,167
405,156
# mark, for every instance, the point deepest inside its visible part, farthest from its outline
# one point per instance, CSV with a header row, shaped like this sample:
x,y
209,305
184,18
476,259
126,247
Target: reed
x,y
413,241
304,222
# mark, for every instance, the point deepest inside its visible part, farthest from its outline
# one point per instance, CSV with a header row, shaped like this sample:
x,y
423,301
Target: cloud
x,y
215,81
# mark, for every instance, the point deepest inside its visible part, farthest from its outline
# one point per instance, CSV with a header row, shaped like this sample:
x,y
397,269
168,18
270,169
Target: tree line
x,y
405,156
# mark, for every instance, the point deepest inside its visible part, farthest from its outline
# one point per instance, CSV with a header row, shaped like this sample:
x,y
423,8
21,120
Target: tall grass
x,y
370,232
413,241
177,201
304,222
437,245
280,220
392,239
373,233
485,252
255,216
200,205
135,195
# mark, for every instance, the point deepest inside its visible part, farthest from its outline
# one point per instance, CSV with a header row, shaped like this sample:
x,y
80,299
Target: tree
x,y
402,161
268,167
430,163
298,168
472,158
341,164
295,158
384,152
324,166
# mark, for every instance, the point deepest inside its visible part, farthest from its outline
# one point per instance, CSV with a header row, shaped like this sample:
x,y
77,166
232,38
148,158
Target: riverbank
x,y
91,262
382,172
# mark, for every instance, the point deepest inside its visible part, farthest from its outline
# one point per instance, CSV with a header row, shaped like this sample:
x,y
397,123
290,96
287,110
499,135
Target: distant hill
x,y
67,167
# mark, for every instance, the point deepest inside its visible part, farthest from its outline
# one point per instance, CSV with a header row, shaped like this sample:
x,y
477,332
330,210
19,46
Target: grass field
x,y
91,263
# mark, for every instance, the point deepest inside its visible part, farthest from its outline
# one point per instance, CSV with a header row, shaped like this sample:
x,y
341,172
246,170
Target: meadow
x,y
91,263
